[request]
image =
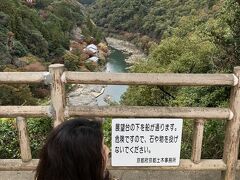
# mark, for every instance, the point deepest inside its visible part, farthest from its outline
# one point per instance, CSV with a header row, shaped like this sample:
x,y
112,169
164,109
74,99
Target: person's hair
x,y
73,151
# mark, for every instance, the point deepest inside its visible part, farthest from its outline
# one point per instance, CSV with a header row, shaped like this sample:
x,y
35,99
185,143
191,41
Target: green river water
x,y
115,64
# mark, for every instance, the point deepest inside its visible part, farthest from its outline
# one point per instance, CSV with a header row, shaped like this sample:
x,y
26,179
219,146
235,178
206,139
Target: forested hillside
x,y
192,36
205,42
42,28
149,17
182,36
34,34
201,43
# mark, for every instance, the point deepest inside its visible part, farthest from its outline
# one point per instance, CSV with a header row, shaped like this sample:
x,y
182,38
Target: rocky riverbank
x,y
126,47
86,95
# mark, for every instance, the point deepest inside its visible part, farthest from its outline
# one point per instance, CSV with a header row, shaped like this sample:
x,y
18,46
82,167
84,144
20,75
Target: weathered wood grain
x,y
197,140
147,111
149,79
232,136
25,111
22,77
24,142
58,99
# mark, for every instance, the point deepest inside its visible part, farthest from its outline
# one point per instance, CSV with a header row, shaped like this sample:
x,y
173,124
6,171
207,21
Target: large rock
x,y
85,95
82,100
77,34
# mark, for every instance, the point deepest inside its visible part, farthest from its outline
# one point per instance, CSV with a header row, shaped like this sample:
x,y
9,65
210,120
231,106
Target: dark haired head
x,y
73,151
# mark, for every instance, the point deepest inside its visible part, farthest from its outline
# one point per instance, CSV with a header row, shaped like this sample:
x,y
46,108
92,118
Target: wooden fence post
x,y
24,139
231,142
197,140
57,93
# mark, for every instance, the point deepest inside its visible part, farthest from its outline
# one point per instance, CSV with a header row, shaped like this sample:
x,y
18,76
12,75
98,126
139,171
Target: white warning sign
x,y
146,142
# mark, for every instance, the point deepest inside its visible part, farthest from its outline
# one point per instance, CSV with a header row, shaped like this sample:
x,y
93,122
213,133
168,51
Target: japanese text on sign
x,y
146,142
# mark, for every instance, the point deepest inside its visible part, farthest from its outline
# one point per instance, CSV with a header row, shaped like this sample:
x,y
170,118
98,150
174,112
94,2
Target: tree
x,y
71,61
198,44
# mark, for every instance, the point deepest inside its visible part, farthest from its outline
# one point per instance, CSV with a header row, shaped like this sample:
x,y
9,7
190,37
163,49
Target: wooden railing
x,y
57,78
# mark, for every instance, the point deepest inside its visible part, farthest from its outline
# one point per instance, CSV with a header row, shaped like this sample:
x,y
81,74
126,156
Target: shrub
x,y
107,131
18,49
9,147
91,66
16,95
38,129
71,61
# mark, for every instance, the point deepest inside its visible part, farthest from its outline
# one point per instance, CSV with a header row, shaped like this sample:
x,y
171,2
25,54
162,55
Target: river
x,y
100,95
115,64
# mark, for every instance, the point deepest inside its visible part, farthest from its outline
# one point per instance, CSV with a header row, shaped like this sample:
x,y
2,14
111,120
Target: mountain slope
x,y
148,17
43,28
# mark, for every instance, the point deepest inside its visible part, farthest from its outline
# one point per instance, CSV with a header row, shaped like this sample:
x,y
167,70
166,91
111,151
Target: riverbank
x,y
95,95
128,48
85,95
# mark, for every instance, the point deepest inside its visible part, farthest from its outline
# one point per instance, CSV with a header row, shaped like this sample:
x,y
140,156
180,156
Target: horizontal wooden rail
x,y
25,111
149,79
119,111
123,78
17,165
150,111
185,165
22,77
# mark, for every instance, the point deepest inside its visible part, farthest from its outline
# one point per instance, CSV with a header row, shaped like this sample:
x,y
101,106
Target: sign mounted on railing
x,y
146,142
